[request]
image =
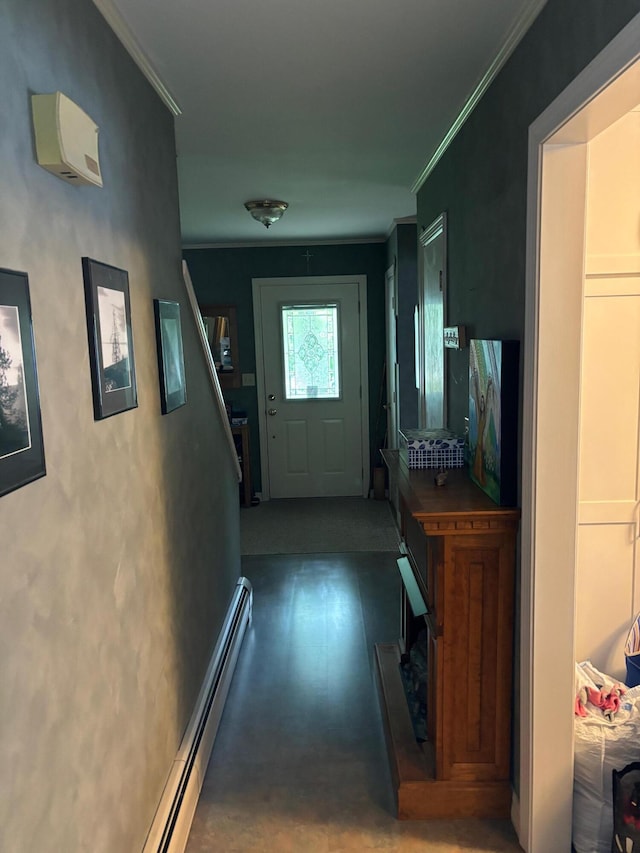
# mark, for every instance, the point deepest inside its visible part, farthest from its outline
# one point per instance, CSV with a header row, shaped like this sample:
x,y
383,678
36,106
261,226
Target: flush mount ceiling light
x,y
266,211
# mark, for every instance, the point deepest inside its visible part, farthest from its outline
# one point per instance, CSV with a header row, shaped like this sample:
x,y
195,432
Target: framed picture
x,y
113,372
21,444
173,388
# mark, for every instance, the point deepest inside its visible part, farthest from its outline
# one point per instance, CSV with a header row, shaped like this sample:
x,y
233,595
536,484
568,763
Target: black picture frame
x,y
21,440
173,387
113,371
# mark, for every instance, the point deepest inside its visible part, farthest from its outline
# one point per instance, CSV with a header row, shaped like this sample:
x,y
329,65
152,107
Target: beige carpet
x,y
317,526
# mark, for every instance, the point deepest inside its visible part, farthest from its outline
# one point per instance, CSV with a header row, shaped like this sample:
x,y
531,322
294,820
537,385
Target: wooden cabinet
x,y
461,547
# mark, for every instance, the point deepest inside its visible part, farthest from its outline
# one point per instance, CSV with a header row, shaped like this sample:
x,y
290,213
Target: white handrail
x,y
213,374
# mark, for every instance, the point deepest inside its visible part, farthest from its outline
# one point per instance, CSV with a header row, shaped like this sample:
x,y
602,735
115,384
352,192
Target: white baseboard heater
x,y
172,822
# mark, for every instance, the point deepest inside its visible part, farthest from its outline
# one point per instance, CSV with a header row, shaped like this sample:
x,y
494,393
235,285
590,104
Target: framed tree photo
x,y
113,372
21,442
173,388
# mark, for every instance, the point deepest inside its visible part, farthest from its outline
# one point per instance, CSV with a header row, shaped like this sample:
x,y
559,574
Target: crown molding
x,y
123,31
513,38
403,220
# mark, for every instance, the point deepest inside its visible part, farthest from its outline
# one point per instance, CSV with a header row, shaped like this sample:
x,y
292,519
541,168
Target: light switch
x,y
248,379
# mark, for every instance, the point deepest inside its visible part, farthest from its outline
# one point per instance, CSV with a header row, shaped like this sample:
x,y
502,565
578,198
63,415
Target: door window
x,y
310,335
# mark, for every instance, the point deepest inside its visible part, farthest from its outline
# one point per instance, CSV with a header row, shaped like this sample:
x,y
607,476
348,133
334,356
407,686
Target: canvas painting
x,y
493,408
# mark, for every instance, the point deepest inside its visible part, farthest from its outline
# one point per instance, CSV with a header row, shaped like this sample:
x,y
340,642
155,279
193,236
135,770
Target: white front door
x,y
311,388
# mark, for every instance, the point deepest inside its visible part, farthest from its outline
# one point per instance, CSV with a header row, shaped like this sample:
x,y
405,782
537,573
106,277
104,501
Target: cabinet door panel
x,y
476,685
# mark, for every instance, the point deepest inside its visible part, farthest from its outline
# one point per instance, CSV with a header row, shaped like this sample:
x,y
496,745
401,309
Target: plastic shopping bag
x,y
632,654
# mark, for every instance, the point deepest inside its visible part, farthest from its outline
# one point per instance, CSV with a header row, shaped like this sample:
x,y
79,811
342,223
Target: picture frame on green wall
x,y
21,440
173,386
113,371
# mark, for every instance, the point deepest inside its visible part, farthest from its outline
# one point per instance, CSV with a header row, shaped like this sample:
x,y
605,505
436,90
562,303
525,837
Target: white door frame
x,y
553,320
391,323
361,281
432,367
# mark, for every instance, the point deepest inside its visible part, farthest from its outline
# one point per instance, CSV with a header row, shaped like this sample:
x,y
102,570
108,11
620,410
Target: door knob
x,y
272,412
272,396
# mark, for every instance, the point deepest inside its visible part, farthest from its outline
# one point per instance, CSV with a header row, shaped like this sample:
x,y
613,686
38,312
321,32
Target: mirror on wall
x,y
221,326
432,299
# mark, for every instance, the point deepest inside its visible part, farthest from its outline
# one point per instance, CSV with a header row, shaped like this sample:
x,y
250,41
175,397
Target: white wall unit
x,y
605,91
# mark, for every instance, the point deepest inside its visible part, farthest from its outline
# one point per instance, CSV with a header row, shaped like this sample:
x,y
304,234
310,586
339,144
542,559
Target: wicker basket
x,y
431,449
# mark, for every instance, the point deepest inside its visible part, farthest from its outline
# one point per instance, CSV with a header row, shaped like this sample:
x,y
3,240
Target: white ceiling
x,y
335,106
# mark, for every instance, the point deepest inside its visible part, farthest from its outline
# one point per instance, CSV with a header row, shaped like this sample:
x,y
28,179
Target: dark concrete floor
x,y
299,763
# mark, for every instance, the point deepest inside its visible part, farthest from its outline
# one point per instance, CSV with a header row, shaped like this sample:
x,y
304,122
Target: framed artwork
x,y
21,443
493,418
173,388
113,373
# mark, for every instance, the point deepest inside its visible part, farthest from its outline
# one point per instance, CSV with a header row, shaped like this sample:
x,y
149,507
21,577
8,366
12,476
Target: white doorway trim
x,y
432,313
391,323
553,319
361,282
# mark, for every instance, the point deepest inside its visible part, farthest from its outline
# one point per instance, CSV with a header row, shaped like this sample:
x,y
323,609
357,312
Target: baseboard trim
x,y
172,822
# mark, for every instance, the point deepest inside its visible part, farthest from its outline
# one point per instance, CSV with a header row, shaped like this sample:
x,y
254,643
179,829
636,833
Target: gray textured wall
x,y
117,567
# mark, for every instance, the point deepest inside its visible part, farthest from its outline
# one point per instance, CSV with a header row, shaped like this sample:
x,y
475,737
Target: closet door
x,y
608,570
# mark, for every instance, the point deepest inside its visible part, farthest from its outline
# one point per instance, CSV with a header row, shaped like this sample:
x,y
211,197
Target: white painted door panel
x,y
314,446
608,576
606,588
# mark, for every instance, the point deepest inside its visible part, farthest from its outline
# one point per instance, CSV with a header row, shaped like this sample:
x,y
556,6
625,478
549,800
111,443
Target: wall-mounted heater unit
x,y
66,139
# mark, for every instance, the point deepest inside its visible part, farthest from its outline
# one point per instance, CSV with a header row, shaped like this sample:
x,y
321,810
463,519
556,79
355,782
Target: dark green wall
x,y
224,276
481,180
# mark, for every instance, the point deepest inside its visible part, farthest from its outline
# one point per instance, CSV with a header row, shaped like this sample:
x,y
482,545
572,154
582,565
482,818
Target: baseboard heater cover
x,y
172,822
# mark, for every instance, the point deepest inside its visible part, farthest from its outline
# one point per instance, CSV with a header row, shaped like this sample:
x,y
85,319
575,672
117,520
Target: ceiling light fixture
x,y
266,211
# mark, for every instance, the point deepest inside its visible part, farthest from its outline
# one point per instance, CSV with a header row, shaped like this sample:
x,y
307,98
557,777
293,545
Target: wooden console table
x,y
461,550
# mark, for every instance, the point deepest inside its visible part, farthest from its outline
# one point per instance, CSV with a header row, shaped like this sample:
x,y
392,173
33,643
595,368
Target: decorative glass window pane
x,y
310,345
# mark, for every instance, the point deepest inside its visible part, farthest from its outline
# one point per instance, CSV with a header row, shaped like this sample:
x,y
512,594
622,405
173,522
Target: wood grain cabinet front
x,y
461,548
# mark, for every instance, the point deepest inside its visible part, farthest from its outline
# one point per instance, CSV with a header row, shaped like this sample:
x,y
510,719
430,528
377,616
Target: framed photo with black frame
x,y
113,372
21,442
173,387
